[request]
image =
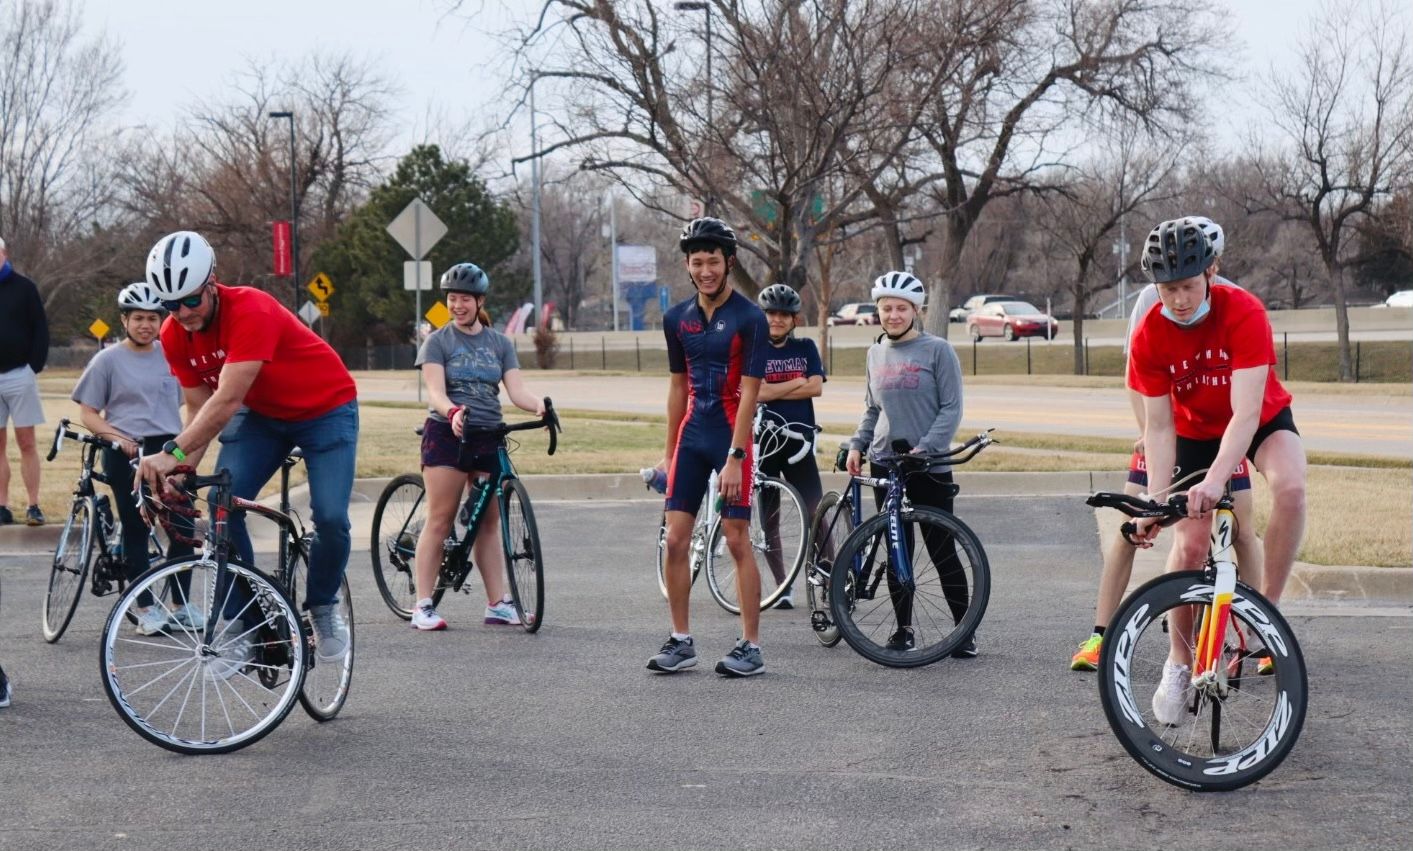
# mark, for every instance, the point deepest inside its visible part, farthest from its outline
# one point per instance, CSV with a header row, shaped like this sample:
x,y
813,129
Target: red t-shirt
x,y
302,376
1194,365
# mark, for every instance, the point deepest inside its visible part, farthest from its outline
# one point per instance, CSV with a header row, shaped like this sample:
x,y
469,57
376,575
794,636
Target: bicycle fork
x,y
1209,675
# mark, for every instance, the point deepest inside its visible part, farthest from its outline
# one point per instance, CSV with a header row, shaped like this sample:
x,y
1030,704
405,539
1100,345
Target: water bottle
x,y
654,478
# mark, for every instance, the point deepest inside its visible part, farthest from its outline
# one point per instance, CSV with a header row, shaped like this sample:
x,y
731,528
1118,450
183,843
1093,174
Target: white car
x,y
1402,298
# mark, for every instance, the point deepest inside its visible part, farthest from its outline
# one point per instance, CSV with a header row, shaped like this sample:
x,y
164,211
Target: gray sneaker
x,y
330,632
674,656
743,661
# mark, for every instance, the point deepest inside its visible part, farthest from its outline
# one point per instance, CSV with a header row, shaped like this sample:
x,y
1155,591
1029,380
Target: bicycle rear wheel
x,y
326,681
1225,740
524,560
907,624
188,695
397,524
779,533
73,556
833,523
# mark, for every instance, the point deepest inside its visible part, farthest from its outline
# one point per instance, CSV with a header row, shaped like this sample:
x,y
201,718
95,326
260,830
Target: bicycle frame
x,y
1207,673
457,564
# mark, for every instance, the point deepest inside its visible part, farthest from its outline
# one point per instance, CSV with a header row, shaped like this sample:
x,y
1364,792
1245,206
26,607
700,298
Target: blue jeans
x,y
252,448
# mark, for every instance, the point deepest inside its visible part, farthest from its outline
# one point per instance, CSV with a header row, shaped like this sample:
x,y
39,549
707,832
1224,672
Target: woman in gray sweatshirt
x,y
914,396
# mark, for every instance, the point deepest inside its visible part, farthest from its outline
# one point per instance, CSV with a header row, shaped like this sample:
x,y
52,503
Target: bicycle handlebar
x,y
951,456
62,431
549,421
1167,513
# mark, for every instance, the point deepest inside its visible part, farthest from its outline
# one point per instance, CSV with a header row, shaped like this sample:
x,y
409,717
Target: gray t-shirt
x,y
135,391
914,393
475,365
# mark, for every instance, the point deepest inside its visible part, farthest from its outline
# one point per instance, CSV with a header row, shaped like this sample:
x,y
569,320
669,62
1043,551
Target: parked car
x,y
975,303
856,313
1012,320
1402,298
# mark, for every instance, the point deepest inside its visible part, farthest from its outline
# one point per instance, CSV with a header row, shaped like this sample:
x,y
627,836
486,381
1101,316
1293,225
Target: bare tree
x,y
996,126
1130,171
1344,126
58,93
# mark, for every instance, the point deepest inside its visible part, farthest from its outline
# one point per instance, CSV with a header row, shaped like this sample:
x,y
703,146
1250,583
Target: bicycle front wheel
x,y
833,523
223,675
779,536
524,561
326,681
913,614
1229,735
397,524
72,558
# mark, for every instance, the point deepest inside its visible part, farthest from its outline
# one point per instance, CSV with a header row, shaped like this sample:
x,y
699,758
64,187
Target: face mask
x,y
1197,315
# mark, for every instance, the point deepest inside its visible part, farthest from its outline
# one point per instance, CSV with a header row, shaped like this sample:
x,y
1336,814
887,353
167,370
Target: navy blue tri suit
x,y
715,355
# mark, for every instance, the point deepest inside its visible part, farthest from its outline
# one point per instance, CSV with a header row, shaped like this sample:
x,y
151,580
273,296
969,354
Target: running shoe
x,y
154,621
674,656
1265,665
1170,699
425,617
1087,657
330,631
502,613
901,640
743,661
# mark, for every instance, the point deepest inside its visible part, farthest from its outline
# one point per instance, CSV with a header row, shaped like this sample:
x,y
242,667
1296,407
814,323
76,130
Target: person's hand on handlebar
x,y
156,471
457,415
1202,496
1147,533
854,462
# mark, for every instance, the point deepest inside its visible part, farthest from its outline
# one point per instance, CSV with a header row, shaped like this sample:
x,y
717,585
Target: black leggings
x,y
118,468
804,475
934,490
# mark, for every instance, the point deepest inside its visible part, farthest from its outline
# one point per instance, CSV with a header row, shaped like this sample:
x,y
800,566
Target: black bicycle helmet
x,y
1177,249
707,233
779,297
465,278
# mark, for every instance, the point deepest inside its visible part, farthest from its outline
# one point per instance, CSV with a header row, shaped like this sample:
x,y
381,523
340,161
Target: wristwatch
x,y
738,453
172,449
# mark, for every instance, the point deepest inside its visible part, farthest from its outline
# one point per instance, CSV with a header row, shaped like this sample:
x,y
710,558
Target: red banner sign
x,y
284,265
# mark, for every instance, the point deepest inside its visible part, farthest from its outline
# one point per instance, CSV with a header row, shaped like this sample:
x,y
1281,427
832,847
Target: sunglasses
x,y
191,302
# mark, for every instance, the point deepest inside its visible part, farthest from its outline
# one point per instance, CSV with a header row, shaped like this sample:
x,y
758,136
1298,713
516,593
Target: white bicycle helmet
x,y
180,263
1215,236
900,285
140,296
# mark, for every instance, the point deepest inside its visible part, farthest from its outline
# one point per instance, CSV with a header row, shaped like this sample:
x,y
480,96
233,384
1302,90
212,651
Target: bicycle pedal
x,y
820,622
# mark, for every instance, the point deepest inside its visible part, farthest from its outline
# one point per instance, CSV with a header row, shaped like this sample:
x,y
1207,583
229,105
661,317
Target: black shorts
x,y
440,448
1193,455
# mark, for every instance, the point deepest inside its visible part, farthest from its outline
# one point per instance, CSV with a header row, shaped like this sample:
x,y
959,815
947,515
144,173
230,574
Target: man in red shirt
x,y
1204,363
253,374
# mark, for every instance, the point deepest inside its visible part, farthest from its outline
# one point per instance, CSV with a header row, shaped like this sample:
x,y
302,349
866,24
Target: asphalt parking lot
x,y
487,737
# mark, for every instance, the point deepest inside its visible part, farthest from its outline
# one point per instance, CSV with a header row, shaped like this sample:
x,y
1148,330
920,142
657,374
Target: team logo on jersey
x,y
689,326
721,325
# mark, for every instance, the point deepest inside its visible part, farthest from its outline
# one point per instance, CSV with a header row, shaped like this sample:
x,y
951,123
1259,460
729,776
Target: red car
x,y
1012,320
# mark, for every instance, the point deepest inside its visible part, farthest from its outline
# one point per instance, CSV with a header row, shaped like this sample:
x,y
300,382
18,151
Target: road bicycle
x,y
91,539
838,515
1239,723
779,527
229,681
401,514
935,594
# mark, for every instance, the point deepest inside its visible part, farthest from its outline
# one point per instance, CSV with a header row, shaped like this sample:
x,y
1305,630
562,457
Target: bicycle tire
x,y
1131,661
403,510
73,556
326,681
834,523
867,619
138,671
524,560
792,519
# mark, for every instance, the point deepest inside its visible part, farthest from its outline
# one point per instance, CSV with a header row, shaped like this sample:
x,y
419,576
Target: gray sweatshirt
x,y
914,393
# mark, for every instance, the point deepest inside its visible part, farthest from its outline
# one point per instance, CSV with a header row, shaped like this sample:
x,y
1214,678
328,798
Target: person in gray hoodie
x,y
913,397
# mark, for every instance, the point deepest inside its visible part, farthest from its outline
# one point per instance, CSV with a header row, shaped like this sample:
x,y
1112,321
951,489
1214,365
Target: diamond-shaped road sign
x,y
309,313
438,315
99,328
321,287
417,229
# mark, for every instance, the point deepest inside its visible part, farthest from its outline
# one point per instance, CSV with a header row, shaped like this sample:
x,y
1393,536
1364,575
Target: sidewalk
x,y
1308,582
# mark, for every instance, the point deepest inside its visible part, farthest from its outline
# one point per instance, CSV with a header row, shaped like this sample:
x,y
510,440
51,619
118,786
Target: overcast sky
x,y
181,51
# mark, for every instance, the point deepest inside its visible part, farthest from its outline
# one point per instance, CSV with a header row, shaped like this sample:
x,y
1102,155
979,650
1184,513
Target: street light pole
x,y
708,203
293,211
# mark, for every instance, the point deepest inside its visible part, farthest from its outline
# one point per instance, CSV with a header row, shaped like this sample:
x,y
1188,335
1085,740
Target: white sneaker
x,y
189,616
502,613
154,621
425,617
1170,699
787,600
236,652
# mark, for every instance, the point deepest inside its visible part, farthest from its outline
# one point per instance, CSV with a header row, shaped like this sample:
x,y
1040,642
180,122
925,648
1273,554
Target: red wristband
x,y
451,412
